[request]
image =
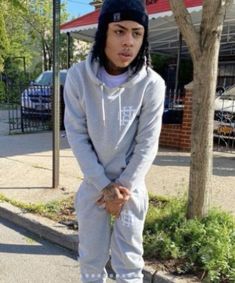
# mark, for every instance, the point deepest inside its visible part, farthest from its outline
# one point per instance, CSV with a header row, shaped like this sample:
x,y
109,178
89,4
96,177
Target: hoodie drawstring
x,y
103,107
120,110
119,106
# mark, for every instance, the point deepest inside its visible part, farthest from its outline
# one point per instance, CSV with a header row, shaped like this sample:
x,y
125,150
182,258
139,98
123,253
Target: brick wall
x,y
170,135
179,136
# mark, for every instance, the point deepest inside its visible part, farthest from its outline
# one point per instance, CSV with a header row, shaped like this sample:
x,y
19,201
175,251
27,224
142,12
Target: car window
x,y
44,79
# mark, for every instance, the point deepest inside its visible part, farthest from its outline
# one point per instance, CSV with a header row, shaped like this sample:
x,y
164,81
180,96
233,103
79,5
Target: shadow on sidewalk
x,y
222,165
12,145
36,246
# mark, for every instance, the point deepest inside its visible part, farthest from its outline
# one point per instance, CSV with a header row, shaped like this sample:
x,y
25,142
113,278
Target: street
x,y
25,258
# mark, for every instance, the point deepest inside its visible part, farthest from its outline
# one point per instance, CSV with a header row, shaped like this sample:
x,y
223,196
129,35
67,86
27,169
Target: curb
x,y
41,226
61,235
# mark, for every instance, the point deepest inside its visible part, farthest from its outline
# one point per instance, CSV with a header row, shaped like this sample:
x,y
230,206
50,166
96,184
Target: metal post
x,y
178,67
68,49
56,92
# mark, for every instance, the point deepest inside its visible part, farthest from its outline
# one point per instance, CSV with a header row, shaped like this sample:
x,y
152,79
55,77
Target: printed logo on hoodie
x,y
127,113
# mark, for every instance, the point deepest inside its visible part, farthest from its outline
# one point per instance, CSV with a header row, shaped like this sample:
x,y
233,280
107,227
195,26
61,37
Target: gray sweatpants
x,y
97,241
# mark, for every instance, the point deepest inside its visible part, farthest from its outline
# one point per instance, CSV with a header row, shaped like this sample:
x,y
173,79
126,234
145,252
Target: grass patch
x,y
205,248
57,210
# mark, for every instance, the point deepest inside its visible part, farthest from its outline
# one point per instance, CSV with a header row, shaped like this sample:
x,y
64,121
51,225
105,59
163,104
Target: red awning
x,y
163,31
91,19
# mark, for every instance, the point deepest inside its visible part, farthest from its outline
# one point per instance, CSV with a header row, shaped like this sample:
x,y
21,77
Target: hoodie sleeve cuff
x,y
100,182
124,182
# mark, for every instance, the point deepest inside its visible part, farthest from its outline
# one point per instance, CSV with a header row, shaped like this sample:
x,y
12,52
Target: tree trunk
x,y
203,45
204,87
44,56
48,55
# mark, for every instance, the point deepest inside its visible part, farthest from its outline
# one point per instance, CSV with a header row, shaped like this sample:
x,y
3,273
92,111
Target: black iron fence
x,y
224,118
30,108
173,108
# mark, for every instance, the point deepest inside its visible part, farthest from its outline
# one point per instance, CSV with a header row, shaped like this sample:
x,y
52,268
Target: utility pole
x,y
56,93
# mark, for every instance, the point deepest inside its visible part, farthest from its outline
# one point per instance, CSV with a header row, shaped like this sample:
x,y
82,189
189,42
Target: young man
x,y
114,106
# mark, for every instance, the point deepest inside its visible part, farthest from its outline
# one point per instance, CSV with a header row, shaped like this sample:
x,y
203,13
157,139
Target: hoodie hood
x,y
93,67
92,70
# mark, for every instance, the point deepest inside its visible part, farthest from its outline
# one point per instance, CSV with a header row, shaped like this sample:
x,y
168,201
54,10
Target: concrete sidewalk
x,y
26,171
26,175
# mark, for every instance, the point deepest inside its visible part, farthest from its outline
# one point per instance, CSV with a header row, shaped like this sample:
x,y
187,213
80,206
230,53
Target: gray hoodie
x,y
113,132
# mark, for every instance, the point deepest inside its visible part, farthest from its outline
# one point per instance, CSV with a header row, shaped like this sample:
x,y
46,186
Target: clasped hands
x,y
113,197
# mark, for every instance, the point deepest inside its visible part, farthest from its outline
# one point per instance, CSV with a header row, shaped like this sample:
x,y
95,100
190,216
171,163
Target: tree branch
x,y
212,20
184,21
33,25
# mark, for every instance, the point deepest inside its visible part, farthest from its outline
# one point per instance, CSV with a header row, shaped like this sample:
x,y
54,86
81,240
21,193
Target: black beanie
x,y
121,10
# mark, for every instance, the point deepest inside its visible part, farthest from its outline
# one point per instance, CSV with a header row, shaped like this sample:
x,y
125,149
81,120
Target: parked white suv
x,y
225,113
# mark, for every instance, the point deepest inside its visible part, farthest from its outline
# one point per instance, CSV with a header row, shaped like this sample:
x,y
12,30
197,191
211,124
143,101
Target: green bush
x,y
206,246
